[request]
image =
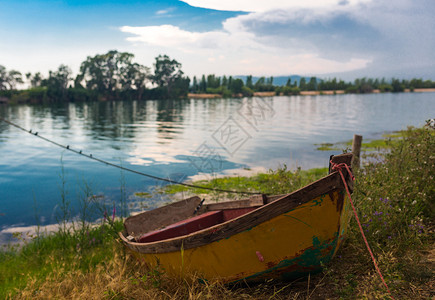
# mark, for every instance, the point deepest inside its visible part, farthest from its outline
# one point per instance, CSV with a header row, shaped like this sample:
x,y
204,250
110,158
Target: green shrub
x,y
395,192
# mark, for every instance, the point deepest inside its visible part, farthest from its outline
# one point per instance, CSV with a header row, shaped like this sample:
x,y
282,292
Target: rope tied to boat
x,y
90,156
340,168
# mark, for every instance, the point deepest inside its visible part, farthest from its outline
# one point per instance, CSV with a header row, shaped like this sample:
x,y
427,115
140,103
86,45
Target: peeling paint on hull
x,y
290,245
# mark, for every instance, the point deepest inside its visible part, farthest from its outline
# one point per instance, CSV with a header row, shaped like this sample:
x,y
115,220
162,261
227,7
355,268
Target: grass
x,y
143,195
327,147
394,195
278,181
60,252
388,141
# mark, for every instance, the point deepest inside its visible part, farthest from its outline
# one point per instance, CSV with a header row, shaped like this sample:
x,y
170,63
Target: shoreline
x,y
302,93
27,233
6,101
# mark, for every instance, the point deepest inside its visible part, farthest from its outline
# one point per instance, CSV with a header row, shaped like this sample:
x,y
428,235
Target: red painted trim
x,y
194,224
184,227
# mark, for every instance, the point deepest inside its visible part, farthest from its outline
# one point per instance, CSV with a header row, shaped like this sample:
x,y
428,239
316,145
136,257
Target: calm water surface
x,y
176,140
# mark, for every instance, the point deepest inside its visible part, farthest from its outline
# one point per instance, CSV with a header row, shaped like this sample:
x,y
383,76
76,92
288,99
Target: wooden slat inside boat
x,y
284,236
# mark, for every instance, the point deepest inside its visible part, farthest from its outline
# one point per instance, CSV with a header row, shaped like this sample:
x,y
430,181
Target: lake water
x,y
175,139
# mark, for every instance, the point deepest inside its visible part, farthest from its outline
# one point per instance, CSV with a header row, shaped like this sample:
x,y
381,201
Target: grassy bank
x,y
388,141
278,181
394,195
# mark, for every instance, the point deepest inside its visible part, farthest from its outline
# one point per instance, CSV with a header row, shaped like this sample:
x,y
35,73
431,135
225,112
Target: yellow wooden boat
x,y
283,236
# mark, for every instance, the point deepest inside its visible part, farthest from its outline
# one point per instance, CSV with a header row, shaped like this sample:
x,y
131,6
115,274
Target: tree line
x,y
229,86
109,76
115,75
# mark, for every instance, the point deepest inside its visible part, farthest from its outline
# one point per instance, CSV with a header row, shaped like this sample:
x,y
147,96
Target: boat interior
x,y
194,224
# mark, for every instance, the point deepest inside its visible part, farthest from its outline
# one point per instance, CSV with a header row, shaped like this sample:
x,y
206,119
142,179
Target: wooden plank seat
x,y
191,225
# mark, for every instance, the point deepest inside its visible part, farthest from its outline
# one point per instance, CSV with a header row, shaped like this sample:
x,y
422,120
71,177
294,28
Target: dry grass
x,y
315,93
424,90
203,96
397,214
120,278
350,276
264,94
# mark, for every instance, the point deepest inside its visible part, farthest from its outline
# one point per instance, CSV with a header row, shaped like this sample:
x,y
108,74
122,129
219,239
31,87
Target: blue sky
x,y
347,38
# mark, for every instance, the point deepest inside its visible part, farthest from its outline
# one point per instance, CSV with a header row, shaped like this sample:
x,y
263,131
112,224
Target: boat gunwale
x,y
315,189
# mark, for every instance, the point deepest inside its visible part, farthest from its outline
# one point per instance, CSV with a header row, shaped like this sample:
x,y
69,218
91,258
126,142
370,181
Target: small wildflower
x,y
384,200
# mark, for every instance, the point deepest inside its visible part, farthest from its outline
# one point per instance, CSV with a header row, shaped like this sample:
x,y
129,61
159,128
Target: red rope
x,y
339,168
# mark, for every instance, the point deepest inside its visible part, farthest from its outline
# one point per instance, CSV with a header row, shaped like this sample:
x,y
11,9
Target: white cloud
x,y
360,35
164,35
229,50
192,42
262,6
165,11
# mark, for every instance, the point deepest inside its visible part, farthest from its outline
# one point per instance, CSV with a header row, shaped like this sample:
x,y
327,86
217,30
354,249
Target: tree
x,y
203,84
397,86
230,82
3,78
312,84
259,85
134,79
363,85
169,76
9,79
302,84
236,86
225,81
166,70
35,80
249,83
195,86
112,73
179,88
213,81
57,83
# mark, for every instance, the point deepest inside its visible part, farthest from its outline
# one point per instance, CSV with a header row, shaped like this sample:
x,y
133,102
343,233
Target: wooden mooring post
x,y
356,150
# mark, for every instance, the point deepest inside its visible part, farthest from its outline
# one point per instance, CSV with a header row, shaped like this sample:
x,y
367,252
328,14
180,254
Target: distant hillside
x,y
279,80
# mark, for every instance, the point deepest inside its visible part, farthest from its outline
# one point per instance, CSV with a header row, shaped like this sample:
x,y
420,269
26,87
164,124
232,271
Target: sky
x,y
324,38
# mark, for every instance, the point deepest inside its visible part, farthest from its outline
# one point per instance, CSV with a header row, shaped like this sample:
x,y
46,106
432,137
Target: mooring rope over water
x,y
90,156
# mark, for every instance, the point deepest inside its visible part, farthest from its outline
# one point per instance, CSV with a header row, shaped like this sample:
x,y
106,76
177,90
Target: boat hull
x,y
292,244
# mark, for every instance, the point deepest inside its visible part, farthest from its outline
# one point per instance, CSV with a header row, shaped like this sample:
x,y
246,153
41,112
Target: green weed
x,y
394,196
278,181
